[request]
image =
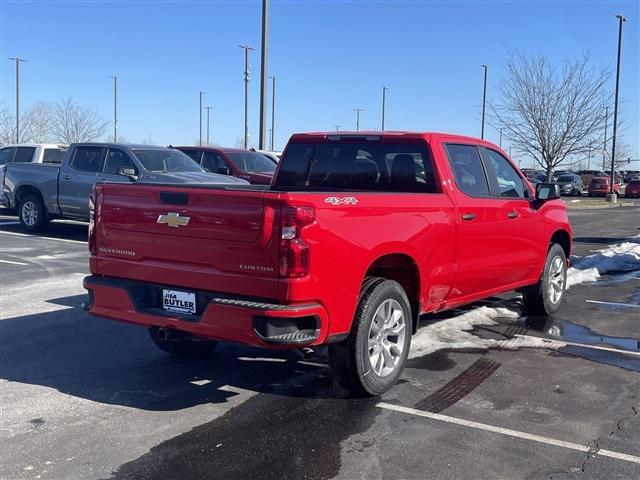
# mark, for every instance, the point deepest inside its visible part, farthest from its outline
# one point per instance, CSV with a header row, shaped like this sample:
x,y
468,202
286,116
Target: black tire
x,y
181,344
350,360
539,299
32,213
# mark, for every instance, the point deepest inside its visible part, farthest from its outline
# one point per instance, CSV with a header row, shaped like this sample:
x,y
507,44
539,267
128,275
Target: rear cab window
x,y
24,154
358,164
53,155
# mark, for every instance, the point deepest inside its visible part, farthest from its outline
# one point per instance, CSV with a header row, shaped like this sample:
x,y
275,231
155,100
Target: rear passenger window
x,y
358,165
468,170
508,182
117,159
52,155
87,159
24,154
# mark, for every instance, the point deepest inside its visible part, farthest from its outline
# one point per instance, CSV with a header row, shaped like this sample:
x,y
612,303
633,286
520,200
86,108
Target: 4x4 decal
x,y
341,200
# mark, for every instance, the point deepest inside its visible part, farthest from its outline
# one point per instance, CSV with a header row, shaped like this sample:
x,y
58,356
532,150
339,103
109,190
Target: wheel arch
x,y
404,269
562,238
24,190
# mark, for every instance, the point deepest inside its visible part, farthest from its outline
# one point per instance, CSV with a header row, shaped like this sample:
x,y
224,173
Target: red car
x,y
600,186
632,189
254,167
358,235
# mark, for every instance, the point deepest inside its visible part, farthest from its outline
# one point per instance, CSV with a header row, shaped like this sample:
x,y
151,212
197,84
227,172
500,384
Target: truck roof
x,y
386,133
44,145
132,146
213,148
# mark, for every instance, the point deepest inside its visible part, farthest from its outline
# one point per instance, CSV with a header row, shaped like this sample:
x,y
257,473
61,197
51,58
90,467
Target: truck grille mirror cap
x,y
547,191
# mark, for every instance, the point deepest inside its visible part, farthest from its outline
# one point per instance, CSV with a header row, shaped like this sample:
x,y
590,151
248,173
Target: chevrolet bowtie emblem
x,y
173,219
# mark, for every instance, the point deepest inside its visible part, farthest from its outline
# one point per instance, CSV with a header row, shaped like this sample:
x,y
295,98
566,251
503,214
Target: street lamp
x,y
200,113
208,109
484,99
604,148
115,108
17,60
612,197
246,93
384,97
273,111
358,110
337,127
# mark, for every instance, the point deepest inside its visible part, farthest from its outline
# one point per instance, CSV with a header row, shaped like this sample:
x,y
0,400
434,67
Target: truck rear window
x,y
355,165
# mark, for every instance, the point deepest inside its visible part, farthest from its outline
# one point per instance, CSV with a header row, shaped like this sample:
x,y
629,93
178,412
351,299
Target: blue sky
x,y
328,57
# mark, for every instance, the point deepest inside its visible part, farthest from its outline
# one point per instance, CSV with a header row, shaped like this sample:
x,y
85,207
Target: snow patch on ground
x,y
455,334
622,257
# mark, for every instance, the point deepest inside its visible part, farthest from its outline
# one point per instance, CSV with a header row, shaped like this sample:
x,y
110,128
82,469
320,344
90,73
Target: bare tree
x,y
74,123
551,114
8,128
39,118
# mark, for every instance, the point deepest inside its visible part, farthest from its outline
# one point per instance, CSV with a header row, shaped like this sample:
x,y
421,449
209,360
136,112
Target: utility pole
x,y
337,127
484,99
200,113
115,108
273,111
500,137
358,110
17,60
246,94
208,109
384,97
604,149
612,197
262,138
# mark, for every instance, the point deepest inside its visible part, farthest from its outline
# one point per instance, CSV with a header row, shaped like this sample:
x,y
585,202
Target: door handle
x,y
468,216
513,214
66,176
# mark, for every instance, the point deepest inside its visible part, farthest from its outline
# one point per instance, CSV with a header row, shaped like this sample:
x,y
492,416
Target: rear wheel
x,y
180,343
546,296
372,358
32,213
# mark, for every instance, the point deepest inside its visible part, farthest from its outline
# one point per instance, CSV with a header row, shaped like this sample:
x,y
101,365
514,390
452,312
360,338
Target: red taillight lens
x,y
294,252
92,226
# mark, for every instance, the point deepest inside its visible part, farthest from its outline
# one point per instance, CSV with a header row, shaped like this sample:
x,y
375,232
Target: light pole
x,y
115,108
500,137
208,109
17,60
604,149
337,127
200,113
384,98
273,111
612,197
262,138
484,99
358,110
246,94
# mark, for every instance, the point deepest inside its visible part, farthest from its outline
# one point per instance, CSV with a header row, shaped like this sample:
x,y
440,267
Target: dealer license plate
x,y
179,302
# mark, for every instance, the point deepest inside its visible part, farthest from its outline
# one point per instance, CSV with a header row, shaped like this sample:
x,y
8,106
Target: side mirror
x,y
547,191
128,172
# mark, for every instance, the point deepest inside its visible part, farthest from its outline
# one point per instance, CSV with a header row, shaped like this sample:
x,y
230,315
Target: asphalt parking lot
x,y
85,398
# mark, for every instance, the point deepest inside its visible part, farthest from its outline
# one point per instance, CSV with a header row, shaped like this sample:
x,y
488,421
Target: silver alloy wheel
x,y
29,213
386,337
556,280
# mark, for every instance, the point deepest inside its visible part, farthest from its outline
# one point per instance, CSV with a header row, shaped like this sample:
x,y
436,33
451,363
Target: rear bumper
x,y
218,316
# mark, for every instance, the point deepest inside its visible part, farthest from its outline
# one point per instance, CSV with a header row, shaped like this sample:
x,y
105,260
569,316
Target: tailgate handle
x,y
174,198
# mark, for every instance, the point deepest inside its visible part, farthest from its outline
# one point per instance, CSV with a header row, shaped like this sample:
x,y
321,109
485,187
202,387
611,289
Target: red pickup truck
x,y
358,235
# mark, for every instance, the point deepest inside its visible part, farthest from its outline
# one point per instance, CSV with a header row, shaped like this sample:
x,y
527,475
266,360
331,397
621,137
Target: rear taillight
x,y
294,252
92,225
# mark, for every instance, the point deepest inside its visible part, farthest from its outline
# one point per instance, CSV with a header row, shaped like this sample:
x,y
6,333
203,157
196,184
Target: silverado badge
x,y
173,219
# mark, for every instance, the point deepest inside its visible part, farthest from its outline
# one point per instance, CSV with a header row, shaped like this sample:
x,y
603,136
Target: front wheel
x,y
181,344
372,358
545,297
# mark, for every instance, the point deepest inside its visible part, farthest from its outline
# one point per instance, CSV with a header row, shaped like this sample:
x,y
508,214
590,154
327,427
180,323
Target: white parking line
x,y
594,347
615,304
44,238
13,263
511,433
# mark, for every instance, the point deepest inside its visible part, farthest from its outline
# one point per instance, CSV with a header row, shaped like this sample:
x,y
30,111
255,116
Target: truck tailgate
x,y
199,237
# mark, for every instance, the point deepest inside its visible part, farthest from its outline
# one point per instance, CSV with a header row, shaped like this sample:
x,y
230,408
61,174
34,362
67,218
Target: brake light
x,y
294,252
92,226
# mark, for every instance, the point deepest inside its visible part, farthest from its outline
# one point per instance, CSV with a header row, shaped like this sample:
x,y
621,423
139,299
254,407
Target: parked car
x,y
557,173
588,175
270,154
570,184
358,235
254,167
41,192
632,189
631,175
600,186
28,153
